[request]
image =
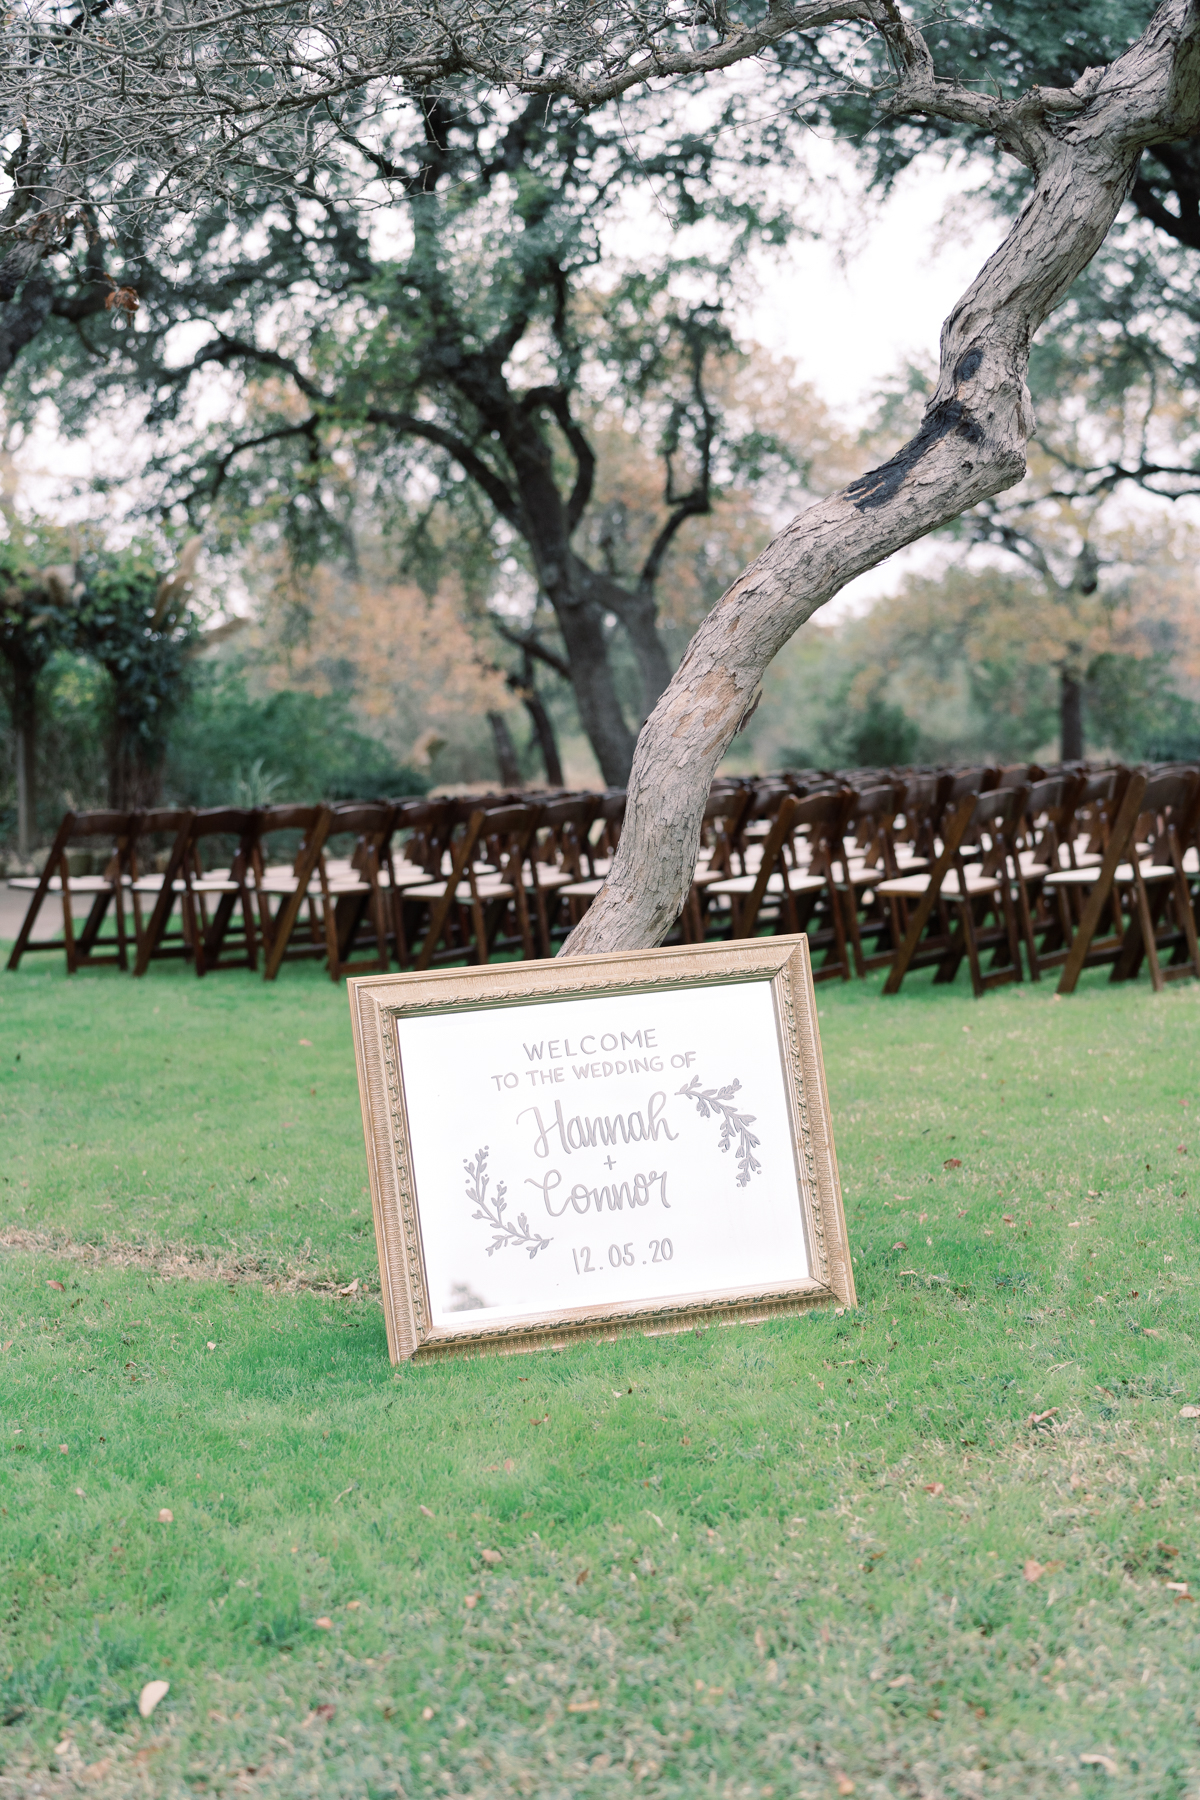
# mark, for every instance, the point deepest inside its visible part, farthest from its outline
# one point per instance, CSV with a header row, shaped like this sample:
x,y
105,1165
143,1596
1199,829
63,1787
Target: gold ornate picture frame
x,y
516,1116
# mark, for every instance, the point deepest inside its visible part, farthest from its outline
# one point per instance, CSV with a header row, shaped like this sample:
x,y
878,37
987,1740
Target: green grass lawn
x,y
819,1556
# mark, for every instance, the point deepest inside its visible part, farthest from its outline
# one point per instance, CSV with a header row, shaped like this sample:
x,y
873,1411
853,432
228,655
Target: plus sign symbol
x,y
608,1163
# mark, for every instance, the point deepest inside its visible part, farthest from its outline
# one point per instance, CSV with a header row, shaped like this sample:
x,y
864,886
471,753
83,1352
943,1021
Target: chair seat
x,y
280,885
435,890
582,890
1191,860
745,884
153,884
214,884
861,876
76,884
550,878
913,886
1087,877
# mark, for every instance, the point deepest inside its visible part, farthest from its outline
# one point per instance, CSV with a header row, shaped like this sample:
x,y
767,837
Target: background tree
x,y
37,618
962,667
446,326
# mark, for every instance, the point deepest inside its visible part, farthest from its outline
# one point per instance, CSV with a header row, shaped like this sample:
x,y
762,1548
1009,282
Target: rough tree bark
x,y
1082,145
1070,711
507,761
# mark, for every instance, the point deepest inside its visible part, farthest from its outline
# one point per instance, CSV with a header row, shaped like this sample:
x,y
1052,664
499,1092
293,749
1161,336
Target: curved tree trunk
x,y
971,444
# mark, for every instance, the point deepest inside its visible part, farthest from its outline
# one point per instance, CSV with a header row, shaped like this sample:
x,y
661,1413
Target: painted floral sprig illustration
x,y
715,1103
492,1212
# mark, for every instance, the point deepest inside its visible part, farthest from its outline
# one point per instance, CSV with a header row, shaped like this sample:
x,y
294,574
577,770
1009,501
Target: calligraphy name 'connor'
x,y
586,1134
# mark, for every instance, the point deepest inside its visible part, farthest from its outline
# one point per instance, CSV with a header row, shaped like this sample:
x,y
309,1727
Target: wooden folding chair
x,y
556,858
871,859
1162,918
915,822
157,858
598,849
952,903
354,887
77,834
412,856
465,909
725,811
216,907
291,886
796,885
1091,913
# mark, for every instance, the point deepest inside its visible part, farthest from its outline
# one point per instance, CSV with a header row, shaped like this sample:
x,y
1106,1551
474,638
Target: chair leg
x,y
968,927
1187,919
68,922
1027,932
1149,933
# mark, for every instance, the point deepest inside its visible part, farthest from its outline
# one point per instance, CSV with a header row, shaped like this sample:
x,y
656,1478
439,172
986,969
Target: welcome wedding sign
x,y
597,1144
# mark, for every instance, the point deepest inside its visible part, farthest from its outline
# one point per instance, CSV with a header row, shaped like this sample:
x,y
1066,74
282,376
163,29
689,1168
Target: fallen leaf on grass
x,y
544,1420
427,1713
63,1450
352,1289
952,1162
165,1516
1007,1219
1034,1570
899,1246
57,1286
921,1218
1176,1587
1094,1759
323,1623
935,1488
211,1345
307,1043
98,1770
1189,1412
902,1681
9,1344
426,1510
583,1706
81,1493
353,1605
582,1577
843,1783
1036,1419
470,1601
151,1694
491,1556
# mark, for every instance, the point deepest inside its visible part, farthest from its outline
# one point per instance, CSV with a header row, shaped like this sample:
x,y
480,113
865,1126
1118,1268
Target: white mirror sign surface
x,y
630,1151
598,1150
